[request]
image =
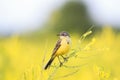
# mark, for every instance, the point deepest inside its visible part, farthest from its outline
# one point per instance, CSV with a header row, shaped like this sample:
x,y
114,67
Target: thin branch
x,y
78,66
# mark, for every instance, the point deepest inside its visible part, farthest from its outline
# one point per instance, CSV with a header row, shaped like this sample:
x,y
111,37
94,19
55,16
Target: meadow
x,y
96,58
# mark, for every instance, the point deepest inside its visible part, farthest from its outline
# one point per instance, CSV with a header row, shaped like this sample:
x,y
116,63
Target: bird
x,y
61,48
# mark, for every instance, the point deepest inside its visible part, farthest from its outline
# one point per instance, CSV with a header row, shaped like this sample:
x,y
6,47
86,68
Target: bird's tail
x,y
49,62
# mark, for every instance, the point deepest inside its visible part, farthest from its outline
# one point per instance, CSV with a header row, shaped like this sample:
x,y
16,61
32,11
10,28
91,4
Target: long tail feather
x,y
49,62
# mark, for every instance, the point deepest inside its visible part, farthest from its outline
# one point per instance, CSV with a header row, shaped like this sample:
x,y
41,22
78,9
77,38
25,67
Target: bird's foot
x,y
65,58
61,64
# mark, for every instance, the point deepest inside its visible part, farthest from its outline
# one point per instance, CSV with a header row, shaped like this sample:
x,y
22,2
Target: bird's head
x,y
64,34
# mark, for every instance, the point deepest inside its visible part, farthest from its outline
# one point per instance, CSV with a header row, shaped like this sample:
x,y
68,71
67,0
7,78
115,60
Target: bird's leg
x,y
60,62
65,58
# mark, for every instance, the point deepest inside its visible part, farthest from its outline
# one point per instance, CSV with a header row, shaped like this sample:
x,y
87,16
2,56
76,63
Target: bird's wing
x,y
57,46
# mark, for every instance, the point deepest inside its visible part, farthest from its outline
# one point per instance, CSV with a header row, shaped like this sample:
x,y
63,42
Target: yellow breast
x,y
64,48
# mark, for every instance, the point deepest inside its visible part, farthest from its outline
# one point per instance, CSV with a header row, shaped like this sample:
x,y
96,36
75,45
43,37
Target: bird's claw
x,y
61,64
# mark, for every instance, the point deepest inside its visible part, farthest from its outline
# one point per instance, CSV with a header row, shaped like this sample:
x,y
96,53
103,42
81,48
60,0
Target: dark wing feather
x,y
57,46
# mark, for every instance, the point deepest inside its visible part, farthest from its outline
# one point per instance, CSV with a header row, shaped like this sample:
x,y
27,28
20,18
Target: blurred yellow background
x,y
23,56
24,59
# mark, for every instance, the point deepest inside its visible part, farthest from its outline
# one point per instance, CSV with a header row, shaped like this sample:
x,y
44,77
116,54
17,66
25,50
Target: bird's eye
x,y
63,34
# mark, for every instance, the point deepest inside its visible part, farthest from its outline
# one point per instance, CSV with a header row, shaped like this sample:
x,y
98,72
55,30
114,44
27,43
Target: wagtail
x,y
62,47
